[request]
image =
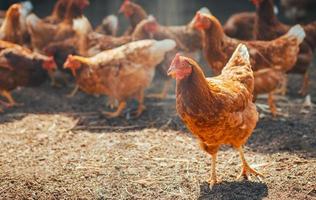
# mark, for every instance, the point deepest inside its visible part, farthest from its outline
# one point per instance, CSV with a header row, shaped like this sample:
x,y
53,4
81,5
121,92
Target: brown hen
x,y
121,73
280,53
268,27
217,110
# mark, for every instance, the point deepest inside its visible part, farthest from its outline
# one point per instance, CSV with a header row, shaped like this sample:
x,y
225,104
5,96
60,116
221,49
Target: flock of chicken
x,y
251,55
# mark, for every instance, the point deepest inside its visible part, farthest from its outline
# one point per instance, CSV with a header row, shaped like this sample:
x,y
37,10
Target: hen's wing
x,y
234,88
235,84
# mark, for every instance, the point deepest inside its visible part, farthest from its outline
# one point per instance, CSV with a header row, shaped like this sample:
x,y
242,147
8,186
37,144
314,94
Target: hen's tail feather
x,y
240,56
32,20
298,32
82,25
239,69
163,46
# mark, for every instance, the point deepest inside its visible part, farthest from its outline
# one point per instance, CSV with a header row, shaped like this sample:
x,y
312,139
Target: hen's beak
x,y
73,70
172,71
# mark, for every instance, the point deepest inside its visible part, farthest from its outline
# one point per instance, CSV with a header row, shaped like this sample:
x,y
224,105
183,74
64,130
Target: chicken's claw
x,y
11,102
111,103
117,113
247,170
140,110
73,92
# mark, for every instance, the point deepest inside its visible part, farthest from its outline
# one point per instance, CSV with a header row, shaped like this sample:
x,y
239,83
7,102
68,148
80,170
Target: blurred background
x,y
176,12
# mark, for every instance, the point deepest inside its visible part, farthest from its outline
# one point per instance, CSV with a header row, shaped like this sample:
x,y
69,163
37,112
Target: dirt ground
x,y
53,147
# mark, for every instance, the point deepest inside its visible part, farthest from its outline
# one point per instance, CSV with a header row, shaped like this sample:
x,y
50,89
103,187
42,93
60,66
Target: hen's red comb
x,y
123,6
256,2
198,16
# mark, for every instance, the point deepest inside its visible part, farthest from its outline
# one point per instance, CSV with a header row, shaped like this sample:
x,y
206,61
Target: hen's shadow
x,y
234,190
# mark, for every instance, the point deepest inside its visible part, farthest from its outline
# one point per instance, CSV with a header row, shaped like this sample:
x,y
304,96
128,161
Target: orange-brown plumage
x,y
43,33
240,25
217,110
218,47
120,73
20,67
280,53
134,13
268,27
11,29
58,12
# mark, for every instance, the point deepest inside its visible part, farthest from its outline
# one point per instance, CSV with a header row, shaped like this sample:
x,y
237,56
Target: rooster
x,y
121,73
217,110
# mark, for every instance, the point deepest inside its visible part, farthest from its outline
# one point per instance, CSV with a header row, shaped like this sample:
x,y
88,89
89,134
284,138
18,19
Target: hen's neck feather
x,y
138,14
10,24
265,12
214,38
195,84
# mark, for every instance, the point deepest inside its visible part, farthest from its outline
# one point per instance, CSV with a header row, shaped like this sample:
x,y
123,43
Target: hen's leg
x,y
213,179
118,112
246,169
73,92
272,104
8,96
304,88
141,107
212,150
283,89
164,91
52,76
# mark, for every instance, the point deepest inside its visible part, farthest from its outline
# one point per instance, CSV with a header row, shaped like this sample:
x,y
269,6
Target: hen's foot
x,y
247,171
111,115
212,181
111,103
54,83
11,102
117,113
73,92
308,102
157,96
140,110
304,89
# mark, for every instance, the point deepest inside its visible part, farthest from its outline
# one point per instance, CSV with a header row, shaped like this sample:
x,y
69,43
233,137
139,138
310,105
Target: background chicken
x,y
91,43
109,26
134,13
42,33
217,110
188,39
20,67
299,10
58,13
268,27
240,25
88,43
280,53
13,28
114,72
